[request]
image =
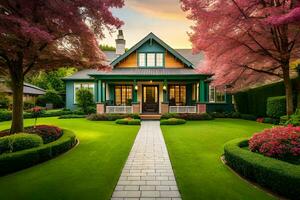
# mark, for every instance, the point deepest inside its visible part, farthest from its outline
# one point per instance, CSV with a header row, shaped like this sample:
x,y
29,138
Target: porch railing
x,y
182,109
118,109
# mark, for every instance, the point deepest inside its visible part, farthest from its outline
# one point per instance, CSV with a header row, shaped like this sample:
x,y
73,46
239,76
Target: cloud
x,y
163,9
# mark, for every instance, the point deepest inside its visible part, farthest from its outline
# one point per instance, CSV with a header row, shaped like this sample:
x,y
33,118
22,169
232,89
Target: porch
x,y
152,97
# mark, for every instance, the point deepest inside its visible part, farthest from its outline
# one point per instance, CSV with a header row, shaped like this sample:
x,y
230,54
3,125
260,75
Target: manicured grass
x,y
89,171
195,149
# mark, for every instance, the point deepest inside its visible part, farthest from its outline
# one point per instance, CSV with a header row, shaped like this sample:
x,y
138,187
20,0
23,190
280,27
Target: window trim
x,y
155,61
74,89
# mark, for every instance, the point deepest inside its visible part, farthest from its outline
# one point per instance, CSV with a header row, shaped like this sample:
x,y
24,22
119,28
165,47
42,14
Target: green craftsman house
x,y
149,78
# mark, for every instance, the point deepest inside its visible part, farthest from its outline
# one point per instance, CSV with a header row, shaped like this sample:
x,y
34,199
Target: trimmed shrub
x,y
276,106
85,100
52,97
188,116
11,162
111,117
128,121
18,142
172,121
71,116
4,101
5,115
28,105
278,142
248,117
279,176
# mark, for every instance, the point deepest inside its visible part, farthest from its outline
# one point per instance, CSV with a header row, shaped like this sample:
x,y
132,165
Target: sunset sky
x,y
162,17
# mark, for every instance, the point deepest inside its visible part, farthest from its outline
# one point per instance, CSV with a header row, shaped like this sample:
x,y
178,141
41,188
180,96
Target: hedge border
x,y
280,177
12,162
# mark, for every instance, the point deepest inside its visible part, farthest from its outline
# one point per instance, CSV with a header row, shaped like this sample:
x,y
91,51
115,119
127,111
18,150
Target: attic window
x,y
151,60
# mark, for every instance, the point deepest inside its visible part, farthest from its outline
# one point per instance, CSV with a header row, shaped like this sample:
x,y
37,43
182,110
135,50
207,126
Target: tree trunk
x,y
288,90
17,79
298,92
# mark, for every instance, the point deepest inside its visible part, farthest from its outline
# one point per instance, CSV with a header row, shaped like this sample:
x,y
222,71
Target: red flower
x,y
277,142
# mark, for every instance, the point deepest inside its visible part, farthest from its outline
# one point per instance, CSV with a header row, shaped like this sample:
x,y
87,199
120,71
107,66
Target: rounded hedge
x,y
18,142
279,176
11,162
172,121
128,121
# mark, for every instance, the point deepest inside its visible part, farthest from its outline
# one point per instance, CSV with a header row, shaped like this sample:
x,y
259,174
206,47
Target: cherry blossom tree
x,y
46,34
246,41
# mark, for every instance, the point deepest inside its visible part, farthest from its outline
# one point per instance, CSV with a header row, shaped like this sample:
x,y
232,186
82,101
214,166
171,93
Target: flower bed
x,y
278,142
11,162
279,176
48,133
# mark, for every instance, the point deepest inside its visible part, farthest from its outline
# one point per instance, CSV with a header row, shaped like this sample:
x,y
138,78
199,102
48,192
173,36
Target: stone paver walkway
x,y
148,172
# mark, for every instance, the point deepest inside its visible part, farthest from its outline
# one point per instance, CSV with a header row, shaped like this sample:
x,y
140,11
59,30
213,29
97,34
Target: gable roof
x,y
151,36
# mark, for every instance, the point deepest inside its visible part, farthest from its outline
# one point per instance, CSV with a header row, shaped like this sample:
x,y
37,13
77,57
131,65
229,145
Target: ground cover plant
x,y
89,171
195,149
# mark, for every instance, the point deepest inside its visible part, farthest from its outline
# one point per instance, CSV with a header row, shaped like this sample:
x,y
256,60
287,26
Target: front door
x,y
150,99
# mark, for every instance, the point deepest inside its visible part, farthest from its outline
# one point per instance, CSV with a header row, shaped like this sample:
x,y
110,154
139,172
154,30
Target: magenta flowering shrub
x,y
278,142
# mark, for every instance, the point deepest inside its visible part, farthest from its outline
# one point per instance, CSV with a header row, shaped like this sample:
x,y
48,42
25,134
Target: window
x,y
216,96
78,86
159,60
142,59
151,59
177,95
123,95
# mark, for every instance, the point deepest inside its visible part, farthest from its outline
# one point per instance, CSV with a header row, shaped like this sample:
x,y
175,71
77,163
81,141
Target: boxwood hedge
x,y
128,121
279,176
172,121
11,162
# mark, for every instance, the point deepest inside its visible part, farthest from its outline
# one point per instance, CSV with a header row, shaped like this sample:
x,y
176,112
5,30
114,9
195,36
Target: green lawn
x,y
89,171
195,150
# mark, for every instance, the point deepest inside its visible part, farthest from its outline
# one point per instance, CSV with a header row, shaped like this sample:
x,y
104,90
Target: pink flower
x,y
277,142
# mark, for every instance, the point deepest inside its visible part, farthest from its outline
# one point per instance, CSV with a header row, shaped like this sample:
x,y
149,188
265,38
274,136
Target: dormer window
x,y
151,60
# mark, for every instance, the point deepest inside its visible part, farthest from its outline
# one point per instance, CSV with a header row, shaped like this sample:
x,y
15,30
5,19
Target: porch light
x,y
164,87
136,87
150,81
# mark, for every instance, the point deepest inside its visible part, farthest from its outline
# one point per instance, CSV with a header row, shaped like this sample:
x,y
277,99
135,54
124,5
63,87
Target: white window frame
x,y
156,60
144,60
210,89
82,83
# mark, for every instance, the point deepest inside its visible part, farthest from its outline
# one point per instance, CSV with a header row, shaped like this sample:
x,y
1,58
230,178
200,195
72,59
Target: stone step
x,y
150,117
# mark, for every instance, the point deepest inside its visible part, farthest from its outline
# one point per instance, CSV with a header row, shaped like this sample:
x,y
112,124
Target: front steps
x,y
150,116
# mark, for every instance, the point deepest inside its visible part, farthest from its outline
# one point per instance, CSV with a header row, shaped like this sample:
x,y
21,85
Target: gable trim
x,y
151,36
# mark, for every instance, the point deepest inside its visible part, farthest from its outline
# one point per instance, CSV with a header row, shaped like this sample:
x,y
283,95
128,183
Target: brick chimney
x,y
120,43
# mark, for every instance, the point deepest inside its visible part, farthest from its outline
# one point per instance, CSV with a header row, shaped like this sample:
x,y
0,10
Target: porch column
x,y
201,91
165,104
100,104
165,92
135,89
201,106
103,92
